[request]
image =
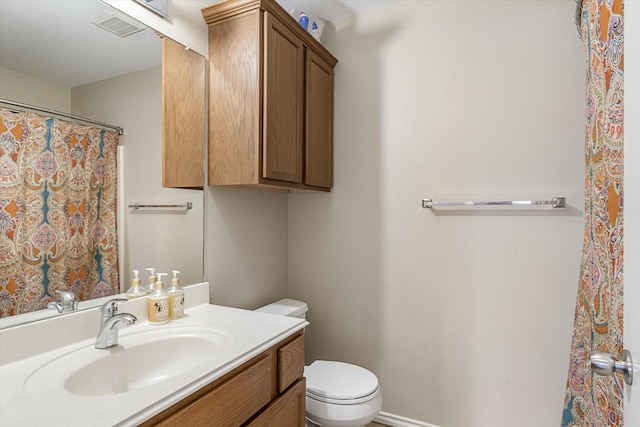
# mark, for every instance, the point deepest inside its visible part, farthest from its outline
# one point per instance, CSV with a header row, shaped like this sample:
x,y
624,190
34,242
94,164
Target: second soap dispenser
x,y
135,291
151,281
176,297
159,303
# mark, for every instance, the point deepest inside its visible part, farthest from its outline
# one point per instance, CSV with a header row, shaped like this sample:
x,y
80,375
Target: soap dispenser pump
x,y
151,281
176,297
159,303
135,291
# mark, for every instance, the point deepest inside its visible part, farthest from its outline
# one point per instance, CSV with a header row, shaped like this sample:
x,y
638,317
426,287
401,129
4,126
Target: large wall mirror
x,y
53,55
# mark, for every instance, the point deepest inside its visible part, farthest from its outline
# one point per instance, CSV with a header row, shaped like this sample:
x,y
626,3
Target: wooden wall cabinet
x,y
183,116
270,99
268,390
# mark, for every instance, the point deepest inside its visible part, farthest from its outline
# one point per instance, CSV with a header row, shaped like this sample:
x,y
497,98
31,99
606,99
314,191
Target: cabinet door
x,y
287,410
282,149
183,115
319,122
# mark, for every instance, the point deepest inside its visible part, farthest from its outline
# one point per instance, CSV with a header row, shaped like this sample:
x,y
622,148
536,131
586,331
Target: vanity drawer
x,y
287,410
290,363
229,404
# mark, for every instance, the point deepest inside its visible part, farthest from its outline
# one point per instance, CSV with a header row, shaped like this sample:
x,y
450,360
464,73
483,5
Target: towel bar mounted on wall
x,y
138,206
555,203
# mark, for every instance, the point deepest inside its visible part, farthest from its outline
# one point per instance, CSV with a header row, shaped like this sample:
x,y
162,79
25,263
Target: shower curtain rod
x,y
61,114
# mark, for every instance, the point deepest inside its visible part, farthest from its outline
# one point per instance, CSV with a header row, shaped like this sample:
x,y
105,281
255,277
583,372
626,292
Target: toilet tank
x,y
286,307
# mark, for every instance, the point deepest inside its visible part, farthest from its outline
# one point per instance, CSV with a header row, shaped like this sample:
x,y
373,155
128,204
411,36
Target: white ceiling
x,y
56,41
42,37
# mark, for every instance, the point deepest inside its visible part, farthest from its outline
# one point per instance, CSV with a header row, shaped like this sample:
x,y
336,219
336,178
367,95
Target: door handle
x,y
602,363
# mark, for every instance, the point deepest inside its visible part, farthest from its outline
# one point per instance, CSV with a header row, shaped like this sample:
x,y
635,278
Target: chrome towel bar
x,y
556,202
136,206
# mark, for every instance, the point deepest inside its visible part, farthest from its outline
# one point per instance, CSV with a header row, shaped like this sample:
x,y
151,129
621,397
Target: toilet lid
x,y
339,380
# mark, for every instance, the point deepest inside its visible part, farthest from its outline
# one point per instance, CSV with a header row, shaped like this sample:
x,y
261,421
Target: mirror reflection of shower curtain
x,y
58,200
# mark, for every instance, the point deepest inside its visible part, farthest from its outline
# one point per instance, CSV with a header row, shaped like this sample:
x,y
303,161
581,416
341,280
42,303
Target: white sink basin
x,y
142,359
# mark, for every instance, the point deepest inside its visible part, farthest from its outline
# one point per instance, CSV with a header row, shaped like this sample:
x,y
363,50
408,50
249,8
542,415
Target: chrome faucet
x,y
68,302
109,322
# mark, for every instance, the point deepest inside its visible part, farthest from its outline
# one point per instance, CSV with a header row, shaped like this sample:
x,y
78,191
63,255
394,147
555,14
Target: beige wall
x,y
466,319
162,240
245,246
31,90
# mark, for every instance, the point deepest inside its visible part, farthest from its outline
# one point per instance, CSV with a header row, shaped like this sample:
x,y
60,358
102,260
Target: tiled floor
x,y
375,425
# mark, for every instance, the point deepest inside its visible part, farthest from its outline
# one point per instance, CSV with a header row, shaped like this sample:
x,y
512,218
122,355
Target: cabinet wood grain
x,y
288,410
252,394
234,103
319,122
283,108
183,116
230,404
290,363
271,100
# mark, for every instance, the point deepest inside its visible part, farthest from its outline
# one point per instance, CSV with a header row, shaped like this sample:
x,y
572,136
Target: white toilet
x,y
338,394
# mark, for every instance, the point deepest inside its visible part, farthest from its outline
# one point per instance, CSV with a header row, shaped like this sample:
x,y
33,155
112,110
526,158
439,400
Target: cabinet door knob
x,y
602,363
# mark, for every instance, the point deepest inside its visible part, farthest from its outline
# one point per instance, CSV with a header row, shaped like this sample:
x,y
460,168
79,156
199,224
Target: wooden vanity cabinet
x,y
183,116
270,99
268,390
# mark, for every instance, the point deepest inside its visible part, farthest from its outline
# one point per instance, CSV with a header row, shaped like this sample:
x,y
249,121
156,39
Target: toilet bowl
x,y
341,394
338,393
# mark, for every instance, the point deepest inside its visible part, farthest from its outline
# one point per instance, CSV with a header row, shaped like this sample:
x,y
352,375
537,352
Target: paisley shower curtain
x,y
593,400
57,211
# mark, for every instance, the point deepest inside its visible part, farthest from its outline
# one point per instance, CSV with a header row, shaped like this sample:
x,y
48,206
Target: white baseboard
x,y
398,421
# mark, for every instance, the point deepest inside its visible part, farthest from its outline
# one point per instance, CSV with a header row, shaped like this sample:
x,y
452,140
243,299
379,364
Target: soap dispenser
x,y
159,303
136,291
151,281
176,297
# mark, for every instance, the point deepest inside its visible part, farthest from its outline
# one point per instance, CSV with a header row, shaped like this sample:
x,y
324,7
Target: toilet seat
x,y
340,383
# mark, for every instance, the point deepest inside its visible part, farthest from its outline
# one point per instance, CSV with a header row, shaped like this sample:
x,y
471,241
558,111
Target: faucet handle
x,y
68,302
110,308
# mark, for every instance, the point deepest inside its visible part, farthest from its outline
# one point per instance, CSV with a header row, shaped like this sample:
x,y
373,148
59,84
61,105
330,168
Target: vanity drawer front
x,y
231,403
287,410
290,363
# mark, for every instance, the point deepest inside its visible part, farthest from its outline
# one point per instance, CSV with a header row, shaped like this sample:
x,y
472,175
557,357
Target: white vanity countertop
x,y
249,332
